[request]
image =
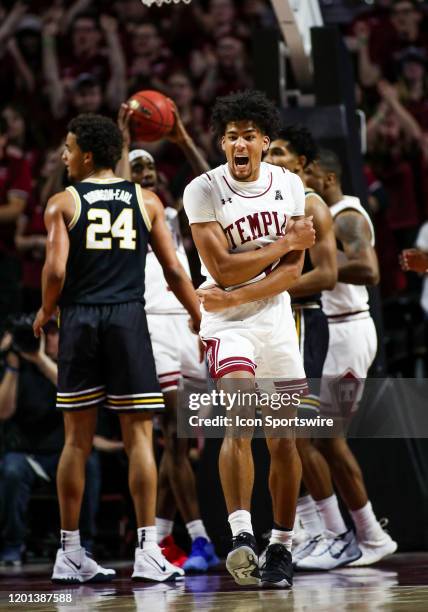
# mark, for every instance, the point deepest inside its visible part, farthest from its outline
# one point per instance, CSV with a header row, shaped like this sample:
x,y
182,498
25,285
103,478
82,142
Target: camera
x,y
21,328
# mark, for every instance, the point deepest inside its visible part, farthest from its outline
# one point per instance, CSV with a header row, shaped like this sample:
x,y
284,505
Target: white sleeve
x,y
298,193
422,238
197,201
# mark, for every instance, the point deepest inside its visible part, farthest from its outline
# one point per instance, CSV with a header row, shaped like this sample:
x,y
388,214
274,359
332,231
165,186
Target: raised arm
x,y
116,87
58,213
353,231
164,249
181,137
323,254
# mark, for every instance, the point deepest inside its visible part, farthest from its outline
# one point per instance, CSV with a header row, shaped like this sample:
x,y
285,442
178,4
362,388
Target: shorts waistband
x,y
349,316
307,305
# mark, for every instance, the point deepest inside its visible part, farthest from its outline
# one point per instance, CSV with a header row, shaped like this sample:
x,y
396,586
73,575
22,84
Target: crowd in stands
x,y
59,58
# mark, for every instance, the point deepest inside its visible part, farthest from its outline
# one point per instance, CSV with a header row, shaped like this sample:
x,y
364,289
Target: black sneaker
x,y
243,562
277,570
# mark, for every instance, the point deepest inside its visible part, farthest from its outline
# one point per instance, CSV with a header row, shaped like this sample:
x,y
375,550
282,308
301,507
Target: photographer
x,y
33,434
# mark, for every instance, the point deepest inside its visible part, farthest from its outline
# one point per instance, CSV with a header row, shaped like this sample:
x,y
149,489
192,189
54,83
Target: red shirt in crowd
x,y
15,179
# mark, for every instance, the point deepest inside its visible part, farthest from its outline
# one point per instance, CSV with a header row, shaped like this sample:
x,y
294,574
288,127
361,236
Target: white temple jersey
x,y
346,298
158,296
252,214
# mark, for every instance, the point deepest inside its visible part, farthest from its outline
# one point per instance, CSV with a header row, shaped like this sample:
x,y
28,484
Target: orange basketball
x,y
153,115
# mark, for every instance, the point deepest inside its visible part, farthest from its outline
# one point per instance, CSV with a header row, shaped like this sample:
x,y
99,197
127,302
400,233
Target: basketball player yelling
x,y
239,213
98,233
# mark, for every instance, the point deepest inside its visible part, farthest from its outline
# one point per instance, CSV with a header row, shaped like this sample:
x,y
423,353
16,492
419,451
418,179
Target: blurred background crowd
x,y
59,58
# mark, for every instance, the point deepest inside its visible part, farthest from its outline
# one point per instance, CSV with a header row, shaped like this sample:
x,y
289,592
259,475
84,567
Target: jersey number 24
x,y
99,234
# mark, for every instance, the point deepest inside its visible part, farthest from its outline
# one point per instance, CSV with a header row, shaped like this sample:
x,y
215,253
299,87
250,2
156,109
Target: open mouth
x,y
241,162
149,184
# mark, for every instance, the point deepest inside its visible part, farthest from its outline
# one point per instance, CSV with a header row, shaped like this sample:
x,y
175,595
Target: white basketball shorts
x,y
259,338
175,349
351,351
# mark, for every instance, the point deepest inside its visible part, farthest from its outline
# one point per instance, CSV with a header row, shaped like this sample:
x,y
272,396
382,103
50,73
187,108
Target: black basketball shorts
x,y
313,336
105,357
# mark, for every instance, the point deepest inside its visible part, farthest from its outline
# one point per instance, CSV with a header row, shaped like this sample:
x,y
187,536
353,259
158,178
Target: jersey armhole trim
x,y
78,209
142,206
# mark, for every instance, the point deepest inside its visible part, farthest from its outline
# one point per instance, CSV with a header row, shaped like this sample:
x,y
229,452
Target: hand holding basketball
x,y
152,117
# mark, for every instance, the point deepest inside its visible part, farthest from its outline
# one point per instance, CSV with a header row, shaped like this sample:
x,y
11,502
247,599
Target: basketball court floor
x,y
398,584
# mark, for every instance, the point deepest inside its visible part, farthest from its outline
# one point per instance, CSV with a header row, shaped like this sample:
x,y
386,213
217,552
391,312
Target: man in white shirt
x,y
239,213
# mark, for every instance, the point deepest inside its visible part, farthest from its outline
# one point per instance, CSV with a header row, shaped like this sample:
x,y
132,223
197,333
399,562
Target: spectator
x,y
221,19
107,69
33,436
21,136
30,237
378,48
412,84
227,70
15,188
150,61
394,144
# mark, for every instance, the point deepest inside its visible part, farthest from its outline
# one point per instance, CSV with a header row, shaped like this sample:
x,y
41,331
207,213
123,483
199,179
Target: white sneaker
x,y
375,550
152,566
331,551
78,566
305,547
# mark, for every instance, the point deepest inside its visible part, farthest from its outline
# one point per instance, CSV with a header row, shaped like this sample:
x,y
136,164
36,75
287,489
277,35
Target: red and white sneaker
x,y
173,553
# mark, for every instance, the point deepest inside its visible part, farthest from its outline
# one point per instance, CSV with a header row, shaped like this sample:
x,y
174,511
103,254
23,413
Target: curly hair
x,y
100,136
300,141
248,105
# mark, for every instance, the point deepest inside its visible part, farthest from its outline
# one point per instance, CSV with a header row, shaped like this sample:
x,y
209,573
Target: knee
x,y
307,450
237,445
78,442
281,448
175,448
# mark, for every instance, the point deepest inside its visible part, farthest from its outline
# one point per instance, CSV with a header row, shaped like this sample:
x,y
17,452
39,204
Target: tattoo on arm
x,y
353,231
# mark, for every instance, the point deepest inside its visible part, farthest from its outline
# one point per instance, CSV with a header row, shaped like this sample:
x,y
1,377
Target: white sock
x,y
282,536
70,540
196,529
366,524
330,514
147,538
309,516
239,521
163,528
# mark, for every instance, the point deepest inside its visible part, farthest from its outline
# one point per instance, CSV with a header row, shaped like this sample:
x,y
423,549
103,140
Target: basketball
x,y
153,115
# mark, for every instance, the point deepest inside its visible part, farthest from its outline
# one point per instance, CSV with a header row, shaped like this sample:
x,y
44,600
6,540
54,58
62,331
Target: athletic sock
x,y
281,536
196,529
309,516
330,514
366,524
70,540
239,521
147,538
164,528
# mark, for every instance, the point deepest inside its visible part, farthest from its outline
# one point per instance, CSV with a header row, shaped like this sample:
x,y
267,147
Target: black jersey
x,y
307,267
108,235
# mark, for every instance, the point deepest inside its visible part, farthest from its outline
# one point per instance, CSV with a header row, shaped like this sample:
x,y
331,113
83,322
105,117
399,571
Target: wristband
x,y
12,369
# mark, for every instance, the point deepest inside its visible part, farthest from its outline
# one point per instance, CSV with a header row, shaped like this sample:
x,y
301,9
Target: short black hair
x,y
100,136
248,105
329,162
300,141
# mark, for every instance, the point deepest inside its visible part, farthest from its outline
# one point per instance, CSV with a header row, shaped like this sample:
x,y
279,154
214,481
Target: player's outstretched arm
x,y
323,254
164,249
229,269
362,267
284,276
57,214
